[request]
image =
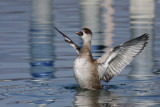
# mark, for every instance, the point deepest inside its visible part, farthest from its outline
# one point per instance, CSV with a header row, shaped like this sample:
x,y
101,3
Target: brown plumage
x,y
88,72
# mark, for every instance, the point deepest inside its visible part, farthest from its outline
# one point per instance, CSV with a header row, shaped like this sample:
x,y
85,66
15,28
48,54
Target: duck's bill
x,y
79,33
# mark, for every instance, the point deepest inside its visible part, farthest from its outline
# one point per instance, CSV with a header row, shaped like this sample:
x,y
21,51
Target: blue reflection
x,y
41,39
42,63
98,47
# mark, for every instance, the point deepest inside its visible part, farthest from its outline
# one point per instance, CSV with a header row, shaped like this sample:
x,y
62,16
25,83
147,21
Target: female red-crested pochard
x,y
88,71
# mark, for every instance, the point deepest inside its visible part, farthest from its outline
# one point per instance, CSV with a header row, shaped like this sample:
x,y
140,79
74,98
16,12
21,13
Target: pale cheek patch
x,y
87,37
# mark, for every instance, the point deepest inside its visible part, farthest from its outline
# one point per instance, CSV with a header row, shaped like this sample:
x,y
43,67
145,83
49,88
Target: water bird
x,y
88,71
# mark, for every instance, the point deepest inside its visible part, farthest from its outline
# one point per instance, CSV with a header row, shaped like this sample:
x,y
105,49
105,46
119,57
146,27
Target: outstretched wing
x,y
113,62
69,41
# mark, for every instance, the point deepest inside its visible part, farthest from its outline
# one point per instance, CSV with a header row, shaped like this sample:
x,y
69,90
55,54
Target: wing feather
x,y
117,58
69,41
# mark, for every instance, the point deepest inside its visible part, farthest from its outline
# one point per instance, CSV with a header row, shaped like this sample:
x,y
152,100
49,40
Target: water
x,y
36,63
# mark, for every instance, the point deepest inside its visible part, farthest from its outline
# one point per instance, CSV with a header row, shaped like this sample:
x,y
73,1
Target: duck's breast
x,y
82,69
85,72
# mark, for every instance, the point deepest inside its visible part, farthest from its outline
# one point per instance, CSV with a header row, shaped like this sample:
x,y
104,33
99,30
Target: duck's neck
x,y
87,44
86,51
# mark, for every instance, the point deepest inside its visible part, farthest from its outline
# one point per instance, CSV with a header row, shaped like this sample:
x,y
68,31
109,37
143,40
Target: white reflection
x,y
142,21
108,20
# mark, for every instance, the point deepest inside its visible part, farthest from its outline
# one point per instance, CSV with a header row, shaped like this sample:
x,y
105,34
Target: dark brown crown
x,y
87,31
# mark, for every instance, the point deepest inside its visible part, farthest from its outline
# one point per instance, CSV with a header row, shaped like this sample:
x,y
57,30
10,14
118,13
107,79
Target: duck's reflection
x,y
142,21
41,39
94,98
87,97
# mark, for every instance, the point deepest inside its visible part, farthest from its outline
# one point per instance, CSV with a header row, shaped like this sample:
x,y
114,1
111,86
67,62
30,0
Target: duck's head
x,y
86,34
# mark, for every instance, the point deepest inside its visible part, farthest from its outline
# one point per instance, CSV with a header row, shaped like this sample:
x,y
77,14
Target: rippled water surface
x,y
36,63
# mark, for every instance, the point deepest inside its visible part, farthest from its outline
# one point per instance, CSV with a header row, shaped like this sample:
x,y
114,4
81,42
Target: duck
x,y
89,72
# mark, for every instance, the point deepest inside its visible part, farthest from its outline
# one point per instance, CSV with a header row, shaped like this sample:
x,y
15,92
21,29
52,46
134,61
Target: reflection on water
x,y
41,39
88,97
142,21
95,98
108,20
